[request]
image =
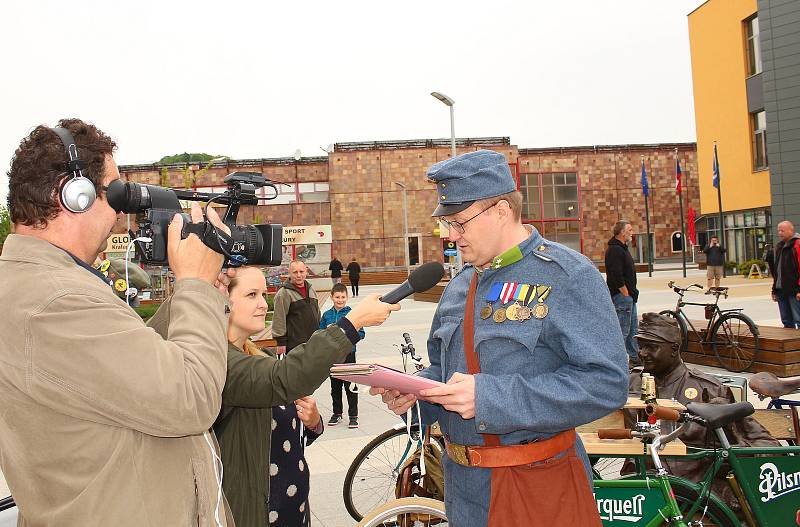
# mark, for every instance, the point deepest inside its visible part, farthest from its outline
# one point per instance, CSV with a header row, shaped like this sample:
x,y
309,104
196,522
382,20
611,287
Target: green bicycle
x,y
766,481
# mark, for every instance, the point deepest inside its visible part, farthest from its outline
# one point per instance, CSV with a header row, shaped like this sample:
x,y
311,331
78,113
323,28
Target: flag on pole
x,y
678,176
691,216
715,181
645,188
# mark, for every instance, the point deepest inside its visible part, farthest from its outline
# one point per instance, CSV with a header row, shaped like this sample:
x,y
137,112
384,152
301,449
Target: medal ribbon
x,y
494,292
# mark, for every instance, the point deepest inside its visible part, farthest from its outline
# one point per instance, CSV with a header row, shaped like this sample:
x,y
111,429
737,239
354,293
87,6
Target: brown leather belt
x,y
510,455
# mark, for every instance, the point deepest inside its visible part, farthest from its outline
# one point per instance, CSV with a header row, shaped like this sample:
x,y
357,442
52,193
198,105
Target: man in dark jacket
x,y
336,268
784,266
296,315
354,274
621,280
715,261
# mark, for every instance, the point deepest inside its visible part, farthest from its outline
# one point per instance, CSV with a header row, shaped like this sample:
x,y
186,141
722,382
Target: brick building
x,y
572,194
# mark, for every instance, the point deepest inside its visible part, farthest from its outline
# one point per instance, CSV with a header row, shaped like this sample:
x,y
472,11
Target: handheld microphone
x,y
422,279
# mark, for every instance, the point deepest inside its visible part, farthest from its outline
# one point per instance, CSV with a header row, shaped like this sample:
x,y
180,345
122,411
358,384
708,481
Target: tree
x,y
187,158
5,224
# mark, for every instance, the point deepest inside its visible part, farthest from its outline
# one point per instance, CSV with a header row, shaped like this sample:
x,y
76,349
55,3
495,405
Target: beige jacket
x,y
102,420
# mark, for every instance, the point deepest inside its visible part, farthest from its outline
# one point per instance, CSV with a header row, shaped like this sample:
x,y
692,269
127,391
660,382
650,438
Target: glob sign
x,y
449,248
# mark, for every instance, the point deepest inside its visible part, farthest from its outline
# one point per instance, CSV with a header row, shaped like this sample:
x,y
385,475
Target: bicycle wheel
x,y
372,476
734,338
681,324
606,467
406,512
711,514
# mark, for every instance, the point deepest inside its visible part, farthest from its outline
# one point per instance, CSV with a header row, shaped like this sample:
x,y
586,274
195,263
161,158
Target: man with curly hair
x,y
104,419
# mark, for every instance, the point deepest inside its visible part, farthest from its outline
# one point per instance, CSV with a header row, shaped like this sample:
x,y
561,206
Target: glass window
x,y
529,187
753,46
413,250
758,123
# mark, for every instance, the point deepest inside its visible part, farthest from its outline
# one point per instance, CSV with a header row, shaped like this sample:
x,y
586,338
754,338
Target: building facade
x,y
746,77
377,200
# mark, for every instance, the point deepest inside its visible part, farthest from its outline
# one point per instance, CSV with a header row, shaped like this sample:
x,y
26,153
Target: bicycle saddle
x,y
719,415
768,385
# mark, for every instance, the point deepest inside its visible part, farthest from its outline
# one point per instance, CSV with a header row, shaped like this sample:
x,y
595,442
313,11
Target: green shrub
x,y
744,267
146,311
731,266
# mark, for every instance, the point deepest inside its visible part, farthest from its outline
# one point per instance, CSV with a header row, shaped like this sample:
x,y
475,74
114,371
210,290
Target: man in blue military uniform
x,y
527,340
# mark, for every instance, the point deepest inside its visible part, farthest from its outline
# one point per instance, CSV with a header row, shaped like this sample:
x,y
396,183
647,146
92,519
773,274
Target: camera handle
x,y
216,239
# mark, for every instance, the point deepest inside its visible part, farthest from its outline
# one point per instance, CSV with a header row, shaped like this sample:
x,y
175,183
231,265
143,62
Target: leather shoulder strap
x,y
473,364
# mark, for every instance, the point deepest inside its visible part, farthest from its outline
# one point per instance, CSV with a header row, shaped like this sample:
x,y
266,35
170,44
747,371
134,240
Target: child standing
x,y
332,316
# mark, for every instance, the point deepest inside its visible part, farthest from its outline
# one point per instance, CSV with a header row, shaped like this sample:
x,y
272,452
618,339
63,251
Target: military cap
x,y
659,328
462,180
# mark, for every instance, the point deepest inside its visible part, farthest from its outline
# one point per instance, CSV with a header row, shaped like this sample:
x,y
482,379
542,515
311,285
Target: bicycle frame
x,y
718,312
769,485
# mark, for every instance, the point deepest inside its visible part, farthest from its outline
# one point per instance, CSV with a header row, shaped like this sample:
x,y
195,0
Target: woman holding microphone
x,y
256,382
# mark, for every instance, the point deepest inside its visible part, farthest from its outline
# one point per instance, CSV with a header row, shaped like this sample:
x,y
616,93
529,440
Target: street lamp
x,y
449,102
405,225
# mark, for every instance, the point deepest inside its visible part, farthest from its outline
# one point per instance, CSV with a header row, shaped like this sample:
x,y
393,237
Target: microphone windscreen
x,y
426,276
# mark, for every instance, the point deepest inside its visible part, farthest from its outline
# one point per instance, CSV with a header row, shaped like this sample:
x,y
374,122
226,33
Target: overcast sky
x,y
262,79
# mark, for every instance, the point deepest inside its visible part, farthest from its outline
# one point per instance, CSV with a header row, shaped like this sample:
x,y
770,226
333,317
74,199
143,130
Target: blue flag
x,y
645,188
715,181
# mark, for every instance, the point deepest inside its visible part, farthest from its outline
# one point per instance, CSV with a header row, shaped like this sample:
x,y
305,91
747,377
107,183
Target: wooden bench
x,y
781,423
434,294
640,267
378,278
779,351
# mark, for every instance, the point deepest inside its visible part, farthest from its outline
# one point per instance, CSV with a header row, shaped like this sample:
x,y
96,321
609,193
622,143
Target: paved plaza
x,y
330,456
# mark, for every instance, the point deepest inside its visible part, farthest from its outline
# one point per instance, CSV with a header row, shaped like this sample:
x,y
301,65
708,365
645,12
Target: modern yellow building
x,y
729,111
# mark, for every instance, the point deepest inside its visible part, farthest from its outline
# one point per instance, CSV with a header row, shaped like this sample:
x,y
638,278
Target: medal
x,y
524,313
491,297
500,315
540,310
511,312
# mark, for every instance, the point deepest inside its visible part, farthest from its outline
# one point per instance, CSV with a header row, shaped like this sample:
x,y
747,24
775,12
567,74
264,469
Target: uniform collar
x,y
518,252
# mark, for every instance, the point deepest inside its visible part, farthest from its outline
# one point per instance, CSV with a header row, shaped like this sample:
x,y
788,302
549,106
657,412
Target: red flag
x,y
691,216
678,176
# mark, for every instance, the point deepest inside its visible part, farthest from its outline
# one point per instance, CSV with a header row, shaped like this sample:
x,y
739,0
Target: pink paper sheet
x,y
384,377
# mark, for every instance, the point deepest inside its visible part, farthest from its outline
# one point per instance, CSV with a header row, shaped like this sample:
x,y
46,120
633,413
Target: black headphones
x,y
77,192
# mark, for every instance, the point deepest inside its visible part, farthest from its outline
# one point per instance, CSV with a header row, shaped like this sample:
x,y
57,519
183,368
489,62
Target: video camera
x,y
155,206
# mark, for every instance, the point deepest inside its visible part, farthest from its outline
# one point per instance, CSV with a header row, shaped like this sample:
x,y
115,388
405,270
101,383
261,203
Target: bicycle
x,y
407,512
372,477
764,486
734,336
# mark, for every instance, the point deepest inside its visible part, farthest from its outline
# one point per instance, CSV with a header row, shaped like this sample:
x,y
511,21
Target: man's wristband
x,y
349,330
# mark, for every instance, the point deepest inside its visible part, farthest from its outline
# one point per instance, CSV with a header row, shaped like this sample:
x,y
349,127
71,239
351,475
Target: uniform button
x,y
444,197
482,426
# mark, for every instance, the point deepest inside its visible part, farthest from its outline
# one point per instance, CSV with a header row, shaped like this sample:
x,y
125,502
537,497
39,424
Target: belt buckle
x,y
458,453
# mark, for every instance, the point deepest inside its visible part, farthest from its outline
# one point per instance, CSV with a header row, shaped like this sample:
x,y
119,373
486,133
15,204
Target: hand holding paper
x,y
458,395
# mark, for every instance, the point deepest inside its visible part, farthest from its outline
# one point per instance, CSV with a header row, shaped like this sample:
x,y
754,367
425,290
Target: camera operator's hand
x,y
224,280
191,258
371,312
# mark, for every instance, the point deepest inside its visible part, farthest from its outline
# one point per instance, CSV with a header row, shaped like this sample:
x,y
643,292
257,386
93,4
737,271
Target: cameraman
x,y
715,261
104,420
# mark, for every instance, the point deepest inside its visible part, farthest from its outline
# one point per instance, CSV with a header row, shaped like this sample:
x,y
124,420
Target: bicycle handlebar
x,y
615,433
661,412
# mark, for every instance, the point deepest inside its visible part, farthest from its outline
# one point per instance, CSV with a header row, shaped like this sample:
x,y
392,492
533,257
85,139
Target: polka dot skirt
x,y
289,478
